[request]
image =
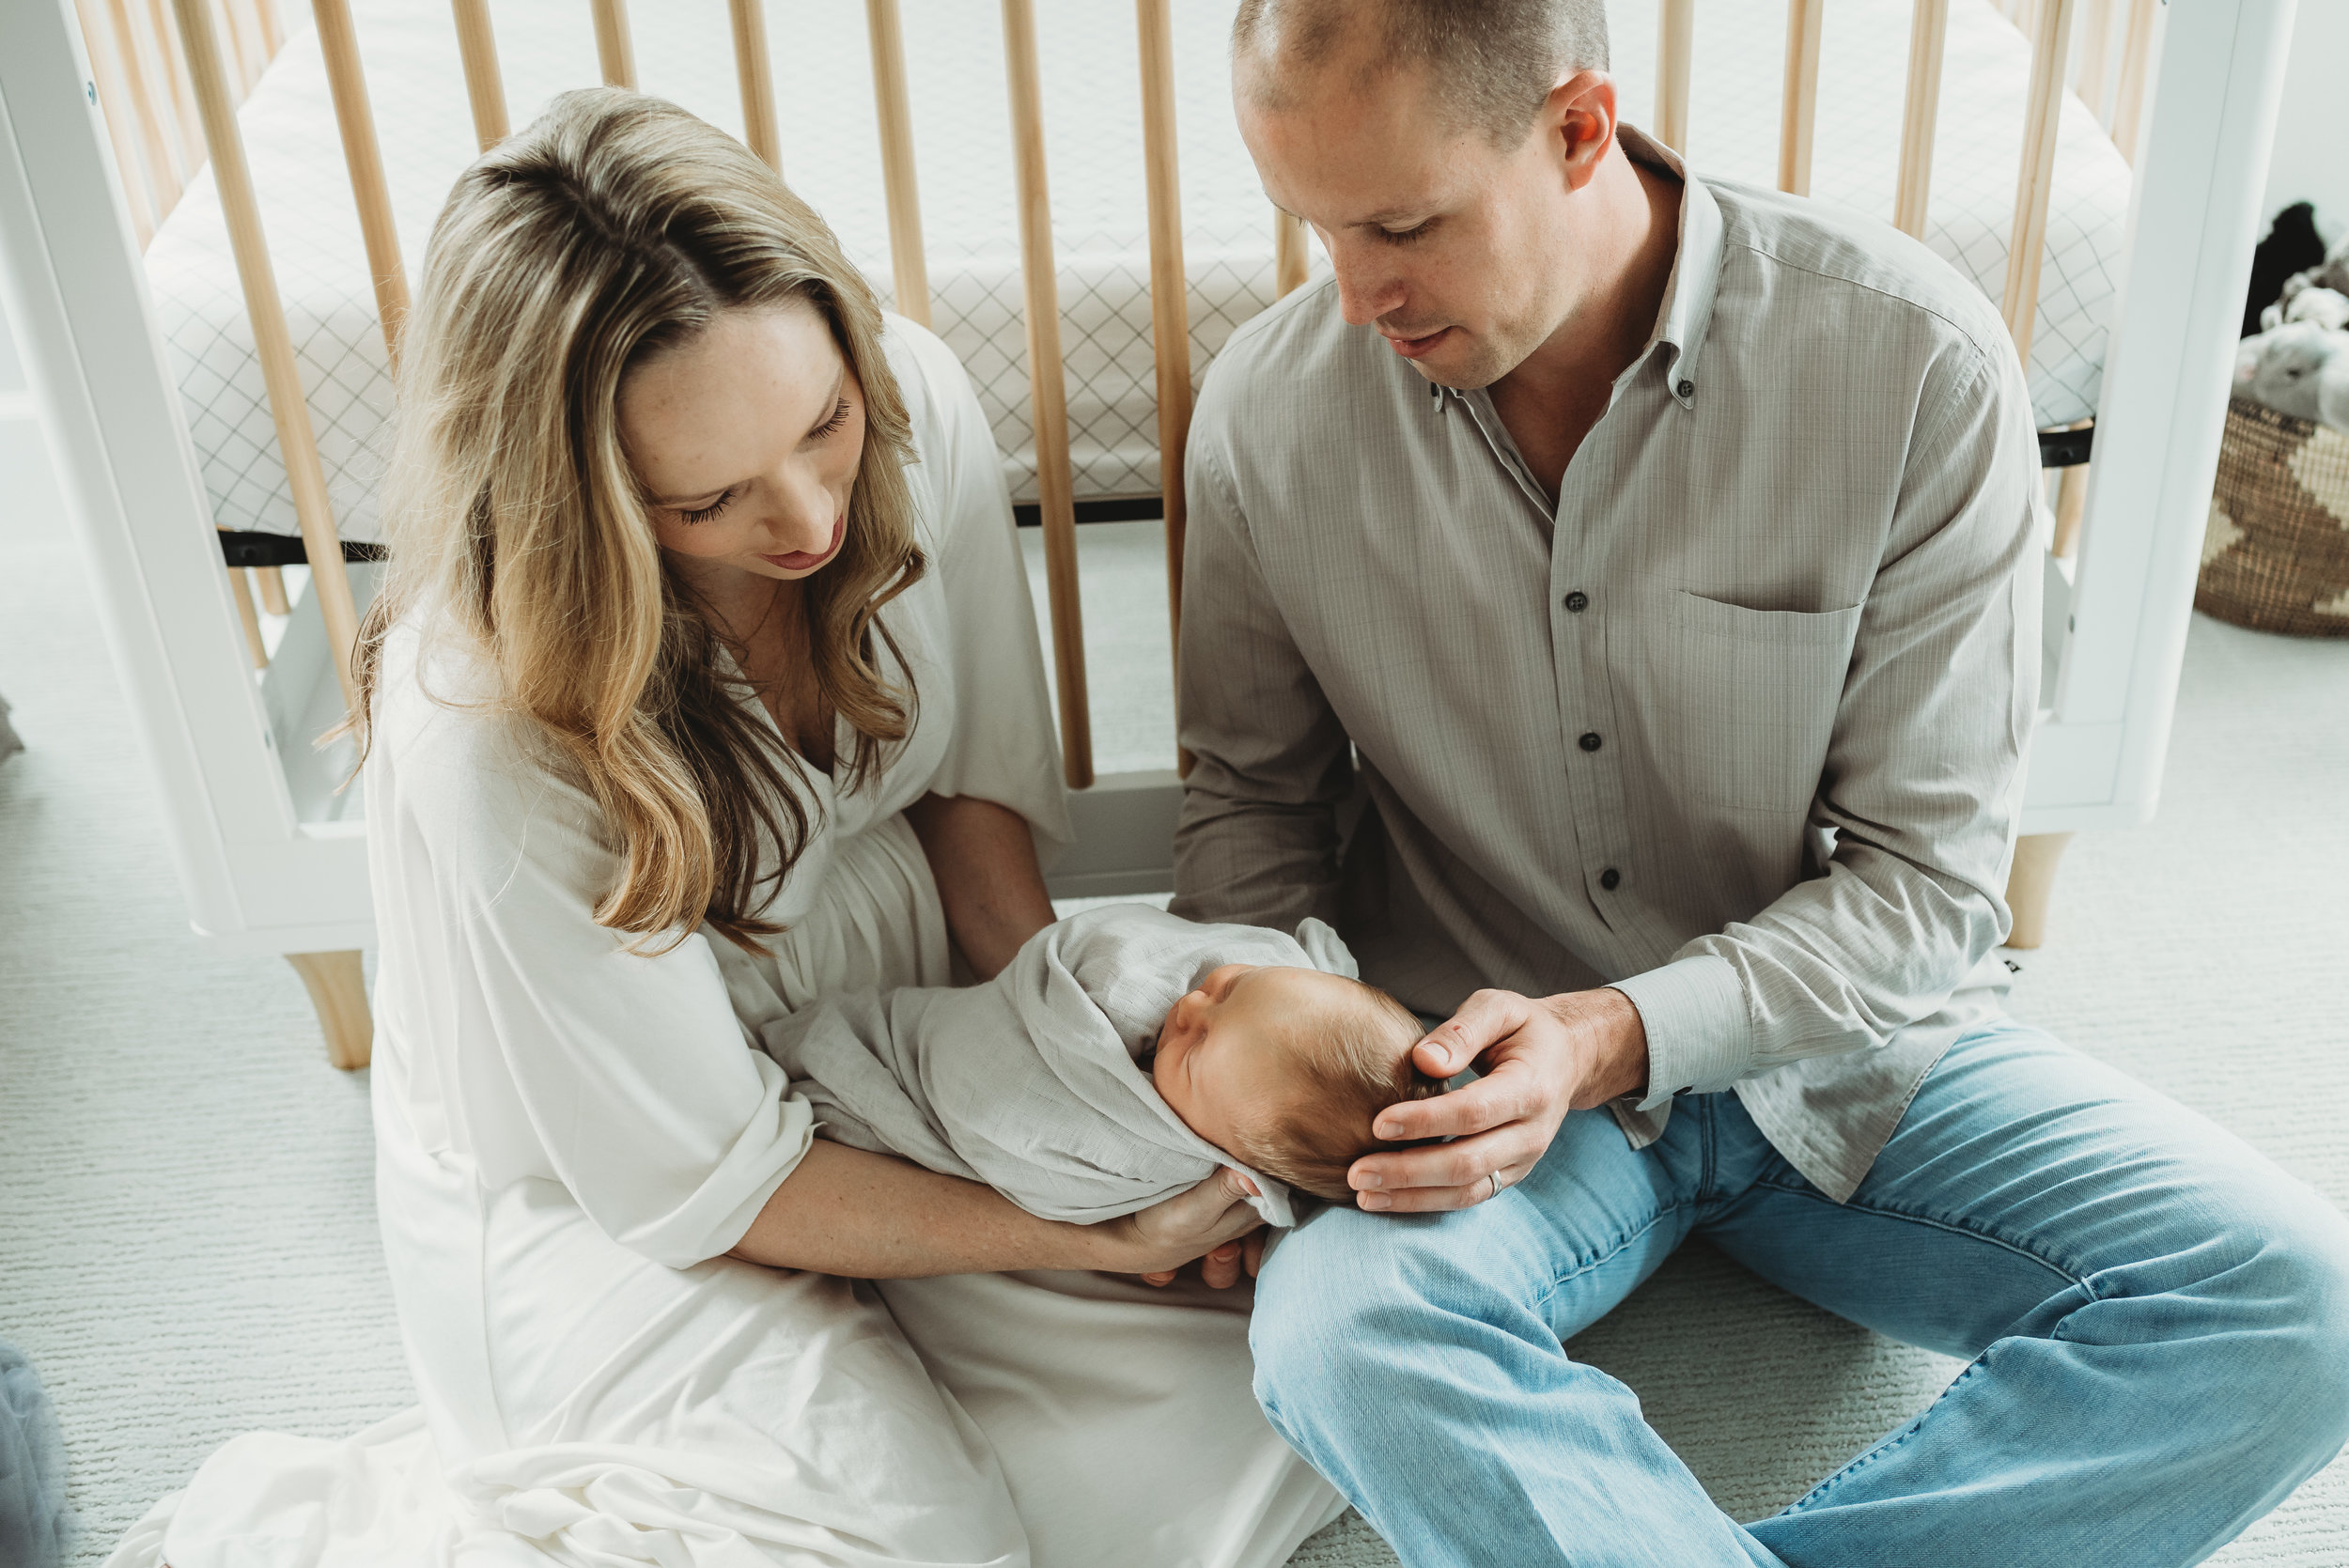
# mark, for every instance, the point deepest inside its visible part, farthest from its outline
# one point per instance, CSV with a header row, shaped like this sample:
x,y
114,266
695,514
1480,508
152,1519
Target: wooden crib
x,y
108,109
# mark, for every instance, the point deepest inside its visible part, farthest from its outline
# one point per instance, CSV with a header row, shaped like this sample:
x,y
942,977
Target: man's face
x,y
1460,253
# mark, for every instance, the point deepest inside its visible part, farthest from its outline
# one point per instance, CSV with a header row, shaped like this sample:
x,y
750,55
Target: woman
x,y
706,683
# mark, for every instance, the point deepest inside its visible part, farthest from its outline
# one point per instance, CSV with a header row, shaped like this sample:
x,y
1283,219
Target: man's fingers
x,y
1479,1106
1514,1147
1484,1020
1425,1200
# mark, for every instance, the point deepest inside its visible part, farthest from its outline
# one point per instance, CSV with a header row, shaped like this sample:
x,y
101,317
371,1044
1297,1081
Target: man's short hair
x,y
1489,63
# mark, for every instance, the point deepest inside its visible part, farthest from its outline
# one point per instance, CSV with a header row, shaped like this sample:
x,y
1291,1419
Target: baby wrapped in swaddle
x,y
1119,1059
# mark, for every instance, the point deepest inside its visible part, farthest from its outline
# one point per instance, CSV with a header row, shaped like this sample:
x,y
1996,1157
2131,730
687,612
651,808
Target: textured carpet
x,y
187,1243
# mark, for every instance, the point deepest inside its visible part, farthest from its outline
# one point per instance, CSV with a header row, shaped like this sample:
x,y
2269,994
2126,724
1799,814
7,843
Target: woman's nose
x,y
804,512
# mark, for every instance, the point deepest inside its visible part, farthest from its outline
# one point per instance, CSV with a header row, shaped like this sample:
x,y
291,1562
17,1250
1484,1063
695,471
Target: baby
x,y
1119,1059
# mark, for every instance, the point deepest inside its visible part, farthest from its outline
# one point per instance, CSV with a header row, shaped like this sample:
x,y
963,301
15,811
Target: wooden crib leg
x,y
272,585
338,989
2030,886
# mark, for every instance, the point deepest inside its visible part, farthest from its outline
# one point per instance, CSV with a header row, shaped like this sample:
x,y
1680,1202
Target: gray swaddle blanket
x,y
1030,1082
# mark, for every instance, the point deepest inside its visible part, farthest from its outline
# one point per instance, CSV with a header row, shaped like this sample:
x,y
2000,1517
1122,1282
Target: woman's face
x,y
747,437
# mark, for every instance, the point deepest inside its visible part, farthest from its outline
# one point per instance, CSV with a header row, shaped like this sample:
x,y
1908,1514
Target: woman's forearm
x,y
869,1216
983,861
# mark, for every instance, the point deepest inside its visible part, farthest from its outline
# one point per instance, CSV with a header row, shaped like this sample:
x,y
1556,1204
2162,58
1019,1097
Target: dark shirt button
x,y
1686,389
1610,878
1589,741
1578,602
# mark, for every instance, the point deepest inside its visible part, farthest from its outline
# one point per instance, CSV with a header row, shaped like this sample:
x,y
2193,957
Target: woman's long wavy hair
x,y
615,228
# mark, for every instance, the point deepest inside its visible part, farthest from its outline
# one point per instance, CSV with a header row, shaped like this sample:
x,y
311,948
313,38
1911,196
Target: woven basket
x,y
2276,557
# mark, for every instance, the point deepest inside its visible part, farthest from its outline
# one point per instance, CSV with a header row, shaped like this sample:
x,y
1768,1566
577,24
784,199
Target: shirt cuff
x,y
1699,1040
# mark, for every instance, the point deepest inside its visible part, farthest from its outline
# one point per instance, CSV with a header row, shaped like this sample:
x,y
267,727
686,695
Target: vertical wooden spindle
x,y
485,88
330,581
2128,98
894,108
338,43
1675,45
1049,398
1798,107
616,52
1170,286
1928,32
2026,240
1291,261
756,76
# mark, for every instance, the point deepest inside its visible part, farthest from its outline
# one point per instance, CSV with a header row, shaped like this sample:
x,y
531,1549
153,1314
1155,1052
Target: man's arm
x,y
1922,787
1258,842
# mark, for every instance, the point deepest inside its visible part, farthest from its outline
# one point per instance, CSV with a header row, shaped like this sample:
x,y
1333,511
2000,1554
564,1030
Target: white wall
x,y
2311,158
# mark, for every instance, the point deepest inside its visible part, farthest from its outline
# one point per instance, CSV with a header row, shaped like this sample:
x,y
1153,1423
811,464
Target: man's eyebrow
x,y
1376,220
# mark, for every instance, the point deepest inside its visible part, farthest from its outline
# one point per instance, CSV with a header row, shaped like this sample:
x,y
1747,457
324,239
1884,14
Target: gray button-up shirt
x,y
1736,726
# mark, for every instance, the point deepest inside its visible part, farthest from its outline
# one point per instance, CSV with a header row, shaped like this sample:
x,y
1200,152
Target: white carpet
x,y
187,1243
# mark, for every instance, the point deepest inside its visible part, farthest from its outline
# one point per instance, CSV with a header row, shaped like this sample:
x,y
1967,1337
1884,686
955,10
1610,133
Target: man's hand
x,y
1540,1058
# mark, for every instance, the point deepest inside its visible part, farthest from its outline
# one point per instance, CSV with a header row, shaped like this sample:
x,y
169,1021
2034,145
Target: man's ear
x,y
1578,119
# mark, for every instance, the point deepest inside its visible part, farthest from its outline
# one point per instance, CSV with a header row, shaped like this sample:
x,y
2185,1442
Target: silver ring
x,y
1494,1178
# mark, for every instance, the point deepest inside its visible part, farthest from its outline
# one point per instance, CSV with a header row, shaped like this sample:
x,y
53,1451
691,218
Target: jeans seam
x,y
1602,1259
1887,1446
2021,1249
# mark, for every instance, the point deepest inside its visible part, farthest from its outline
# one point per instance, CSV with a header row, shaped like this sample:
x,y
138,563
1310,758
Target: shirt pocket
x,y
1746,699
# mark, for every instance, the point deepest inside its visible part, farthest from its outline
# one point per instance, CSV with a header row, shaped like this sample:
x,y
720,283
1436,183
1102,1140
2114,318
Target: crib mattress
x,y
822,70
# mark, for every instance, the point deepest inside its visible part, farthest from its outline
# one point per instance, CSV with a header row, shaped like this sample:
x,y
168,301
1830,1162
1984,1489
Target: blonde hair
x,y
1355,1061
615,228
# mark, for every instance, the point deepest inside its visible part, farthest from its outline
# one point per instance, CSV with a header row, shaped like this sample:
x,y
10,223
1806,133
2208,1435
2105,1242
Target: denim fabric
x,y
2157,1321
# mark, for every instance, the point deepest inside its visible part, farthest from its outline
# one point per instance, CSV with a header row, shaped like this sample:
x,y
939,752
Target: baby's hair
x,y
1355,1060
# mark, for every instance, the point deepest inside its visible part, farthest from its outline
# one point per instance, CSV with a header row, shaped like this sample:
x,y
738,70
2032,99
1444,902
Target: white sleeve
x,y
668,1128
1005,747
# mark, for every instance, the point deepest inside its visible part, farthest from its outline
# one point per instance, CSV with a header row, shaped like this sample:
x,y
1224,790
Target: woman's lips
x,y
1414,347
800,560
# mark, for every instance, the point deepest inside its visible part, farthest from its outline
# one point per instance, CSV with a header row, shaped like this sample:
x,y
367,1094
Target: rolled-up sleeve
x,y
1922,782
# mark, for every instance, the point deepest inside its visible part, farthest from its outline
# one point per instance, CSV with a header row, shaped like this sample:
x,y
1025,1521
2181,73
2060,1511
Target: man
x,y
1660,553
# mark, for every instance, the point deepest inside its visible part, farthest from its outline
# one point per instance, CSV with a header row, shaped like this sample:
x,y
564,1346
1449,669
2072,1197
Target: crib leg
x,y
338,989
2030,886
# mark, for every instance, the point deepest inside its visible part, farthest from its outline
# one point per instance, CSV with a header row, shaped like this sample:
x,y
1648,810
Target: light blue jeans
x,y
2157,1321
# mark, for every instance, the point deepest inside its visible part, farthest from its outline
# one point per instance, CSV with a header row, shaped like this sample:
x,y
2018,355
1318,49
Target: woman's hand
x,y
1206,1223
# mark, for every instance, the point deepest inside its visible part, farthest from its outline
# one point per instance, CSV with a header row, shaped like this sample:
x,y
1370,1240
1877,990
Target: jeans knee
x,y
2297,1285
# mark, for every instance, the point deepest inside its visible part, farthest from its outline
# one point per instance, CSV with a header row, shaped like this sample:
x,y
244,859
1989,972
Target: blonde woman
x,y
707,682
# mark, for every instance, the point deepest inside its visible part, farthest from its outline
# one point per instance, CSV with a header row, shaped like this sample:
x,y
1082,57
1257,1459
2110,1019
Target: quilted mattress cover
x,y
822,73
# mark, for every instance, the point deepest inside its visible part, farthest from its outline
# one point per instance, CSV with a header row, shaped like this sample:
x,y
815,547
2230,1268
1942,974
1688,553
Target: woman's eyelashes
x,y
832,427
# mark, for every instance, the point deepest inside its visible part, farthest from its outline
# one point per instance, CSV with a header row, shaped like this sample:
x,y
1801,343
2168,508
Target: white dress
x,y
571,1136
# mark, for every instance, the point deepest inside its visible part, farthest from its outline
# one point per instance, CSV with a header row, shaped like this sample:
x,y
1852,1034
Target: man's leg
x,y
1416,1361
2158,1320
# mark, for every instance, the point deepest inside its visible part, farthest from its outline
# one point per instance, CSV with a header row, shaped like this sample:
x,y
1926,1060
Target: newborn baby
x,y
1119,1059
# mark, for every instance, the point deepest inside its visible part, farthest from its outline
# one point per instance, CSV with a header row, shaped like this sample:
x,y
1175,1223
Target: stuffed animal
x,y
2300,369
2327,308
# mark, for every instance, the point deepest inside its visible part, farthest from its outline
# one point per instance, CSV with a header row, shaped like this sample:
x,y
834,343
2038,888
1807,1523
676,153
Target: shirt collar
x,y
1688,311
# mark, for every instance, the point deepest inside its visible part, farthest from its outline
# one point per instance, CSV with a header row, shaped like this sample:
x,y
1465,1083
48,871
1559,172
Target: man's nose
x,y
1364,292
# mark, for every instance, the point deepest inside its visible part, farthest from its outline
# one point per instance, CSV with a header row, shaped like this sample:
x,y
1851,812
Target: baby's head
x,y
1284,1068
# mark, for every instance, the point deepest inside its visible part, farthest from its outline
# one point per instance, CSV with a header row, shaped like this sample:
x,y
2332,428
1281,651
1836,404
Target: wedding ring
x,y
1494,1178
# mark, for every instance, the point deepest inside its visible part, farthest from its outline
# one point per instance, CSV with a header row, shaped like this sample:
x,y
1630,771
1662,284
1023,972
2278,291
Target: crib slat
x,y
1291,261
2026,240
758,83
2089,79
1799,111
1170,287
1675,45
1047,392
271,583
477,46
174,60
330,581
2128,98
615,50
893,106
148,74
1928,33
338,42
241,593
